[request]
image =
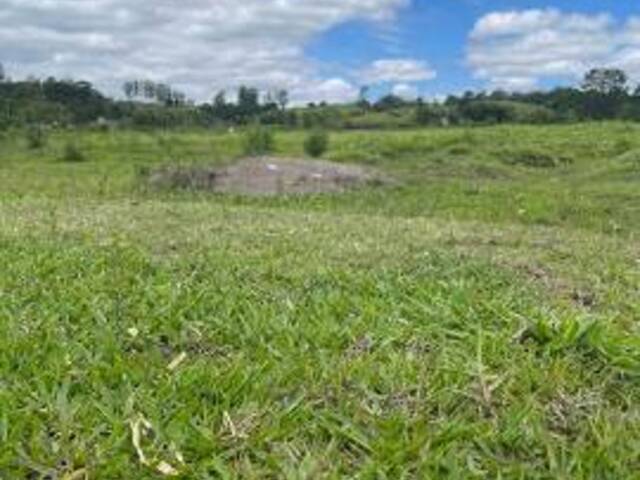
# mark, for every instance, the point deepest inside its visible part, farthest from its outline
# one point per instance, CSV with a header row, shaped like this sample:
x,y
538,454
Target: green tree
x,y
282,97
605,81
129,89
248,105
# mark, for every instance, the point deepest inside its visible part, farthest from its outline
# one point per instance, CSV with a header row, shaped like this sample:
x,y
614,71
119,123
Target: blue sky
x,y
320,49
437,32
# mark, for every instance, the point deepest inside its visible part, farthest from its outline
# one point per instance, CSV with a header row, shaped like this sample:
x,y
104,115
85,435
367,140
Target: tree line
x,y
603,94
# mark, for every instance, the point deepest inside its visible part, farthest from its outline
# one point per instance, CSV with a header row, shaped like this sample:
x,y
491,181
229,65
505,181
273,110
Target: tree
x,y
282,97
605,92
149,89
605,81
2,74
363,97
220,100
248,103
163,94
129,89
389,102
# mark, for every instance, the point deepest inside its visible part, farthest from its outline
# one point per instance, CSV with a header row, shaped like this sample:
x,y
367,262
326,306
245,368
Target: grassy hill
x,y
475,318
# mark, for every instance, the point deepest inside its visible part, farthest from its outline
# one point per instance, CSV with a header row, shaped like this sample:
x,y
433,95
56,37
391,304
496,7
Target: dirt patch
x,y
268,176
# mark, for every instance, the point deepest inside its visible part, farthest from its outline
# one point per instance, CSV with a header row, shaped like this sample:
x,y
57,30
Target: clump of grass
x,y
534,159
631,157
622,146
36,137
72,154
259,140
317,143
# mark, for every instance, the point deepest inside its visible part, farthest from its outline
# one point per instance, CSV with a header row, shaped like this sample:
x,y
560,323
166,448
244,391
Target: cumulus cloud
x,y
515,50
628,55
405,91
197,45
333,90
397,70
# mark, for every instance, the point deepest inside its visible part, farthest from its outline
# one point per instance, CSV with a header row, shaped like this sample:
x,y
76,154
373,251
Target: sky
x,y
321,50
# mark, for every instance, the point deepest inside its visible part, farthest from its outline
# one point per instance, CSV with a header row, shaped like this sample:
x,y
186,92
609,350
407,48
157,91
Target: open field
x,y
478,317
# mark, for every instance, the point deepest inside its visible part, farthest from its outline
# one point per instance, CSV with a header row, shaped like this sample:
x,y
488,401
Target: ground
x,y
476,318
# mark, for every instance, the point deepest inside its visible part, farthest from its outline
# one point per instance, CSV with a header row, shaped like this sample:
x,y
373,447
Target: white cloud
x,y
197,45
515,50
628,55
405,91
333,90
397,70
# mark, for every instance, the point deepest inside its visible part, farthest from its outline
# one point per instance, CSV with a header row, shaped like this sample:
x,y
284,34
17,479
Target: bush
x,y
72,154
36,137
258,140
316,143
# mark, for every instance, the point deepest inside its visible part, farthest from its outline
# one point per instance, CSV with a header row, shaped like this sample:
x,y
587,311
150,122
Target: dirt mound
x,y
268,176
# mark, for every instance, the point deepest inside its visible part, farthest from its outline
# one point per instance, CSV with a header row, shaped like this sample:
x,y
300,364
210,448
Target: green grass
x,y
477,319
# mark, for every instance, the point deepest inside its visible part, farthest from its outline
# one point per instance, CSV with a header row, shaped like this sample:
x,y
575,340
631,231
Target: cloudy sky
x,y
320,49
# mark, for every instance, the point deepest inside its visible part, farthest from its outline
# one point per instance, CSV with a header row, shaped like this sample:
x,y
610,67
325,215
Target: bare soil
x,y
268,176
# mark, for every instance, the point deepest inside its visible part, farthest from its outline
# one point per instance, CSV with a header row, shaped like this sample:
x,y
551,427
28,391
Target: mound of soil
x,y
268,176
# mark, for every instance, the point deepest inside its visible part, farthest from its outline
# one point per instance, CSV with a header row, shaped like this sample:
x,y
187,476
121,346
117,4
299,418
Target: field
x,y
475,318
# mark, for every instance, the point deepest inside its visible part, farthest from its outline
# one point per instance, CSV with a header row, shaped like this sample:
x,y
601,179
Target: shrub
x,y
36,137
258,140
316,143
72,154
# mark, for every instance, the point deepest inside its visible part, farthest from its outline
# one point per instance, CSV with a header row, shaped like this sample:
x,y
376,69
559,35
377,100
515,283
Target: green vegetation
x,y
36,138
606,94
258,140
72,153
317,143
475,318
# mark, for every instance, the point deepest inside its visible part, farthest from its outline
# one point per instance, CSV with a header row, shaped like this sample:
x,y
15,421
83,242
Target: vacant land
x,y
478,317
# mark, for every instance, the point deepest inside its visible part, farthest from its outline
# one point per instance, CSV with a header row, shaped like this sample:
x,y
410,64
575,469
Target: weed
x,y
317,143
72,154
258,140
36,137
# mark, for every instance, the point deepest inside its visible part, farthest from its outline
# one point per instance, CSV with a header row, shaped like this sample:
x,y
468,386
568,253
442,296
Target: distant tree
x,y
389,102
363,97
129,89
429,115
282,97
605,81
149,89
163,94
605,92
220,100
248,104
2,73
269,98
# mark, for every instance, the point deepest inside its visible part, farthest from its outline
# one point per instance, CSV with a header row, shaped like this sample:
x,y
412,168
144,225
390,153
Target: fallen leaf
x,y
175,363
166,469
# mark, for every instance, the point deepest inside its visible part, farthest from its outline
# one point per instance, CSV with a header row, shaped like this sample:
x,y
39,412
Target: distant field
x,y
476,318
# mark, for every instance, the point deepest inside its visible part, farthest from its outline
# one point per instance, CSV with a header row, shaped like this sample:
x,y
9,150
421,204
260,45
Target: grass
x,y
476,320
